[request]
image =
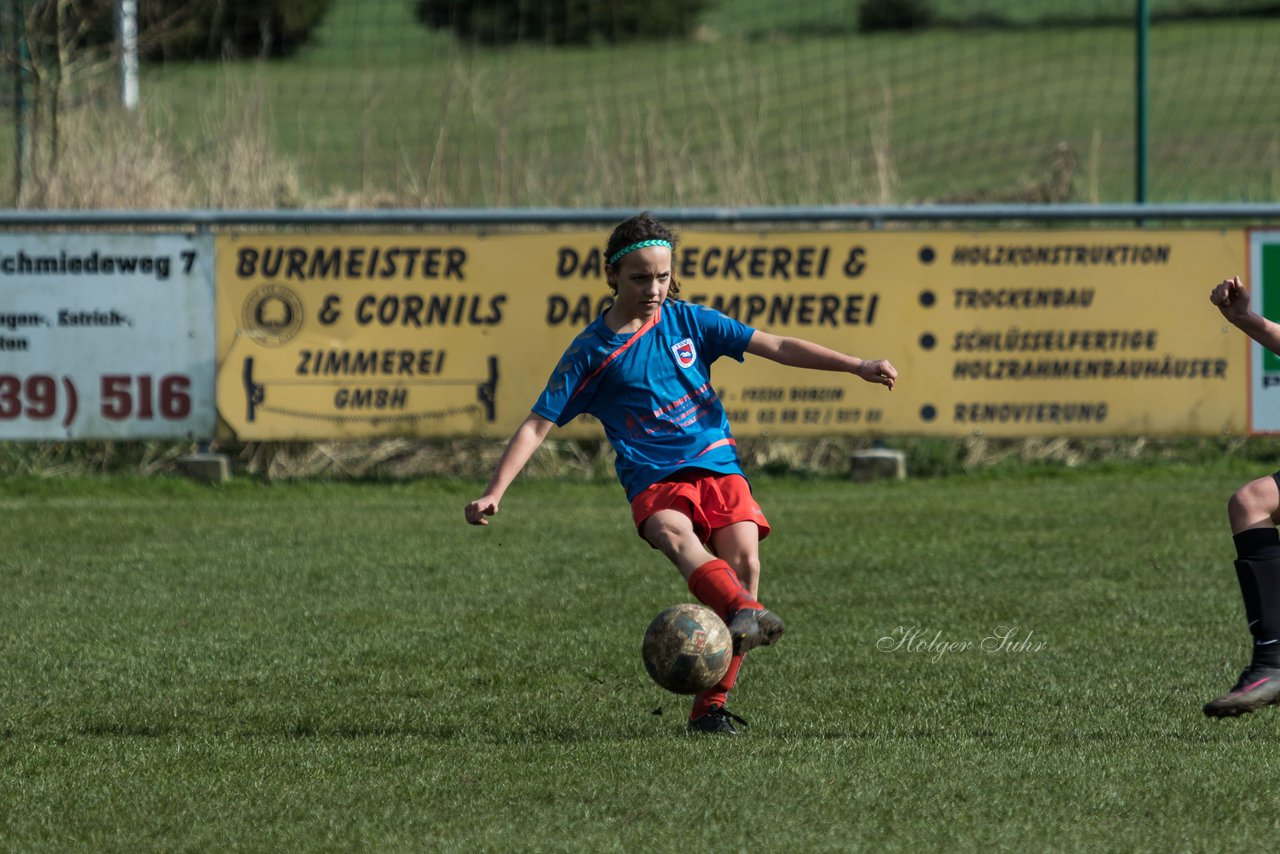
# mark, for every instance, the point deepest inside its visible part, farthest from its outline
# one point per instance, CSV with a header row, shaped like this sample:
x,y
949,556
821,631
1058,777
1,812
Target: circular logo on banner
x,y
271,315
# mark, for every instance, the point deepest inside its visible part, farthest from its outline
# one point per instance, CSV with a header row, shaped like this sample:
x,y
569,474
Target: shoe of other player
x,y
1256,687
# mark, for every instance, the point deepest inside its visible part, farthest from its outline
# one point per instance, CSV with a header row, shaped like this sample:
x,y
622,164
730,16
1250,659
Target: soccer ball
x,y
687,649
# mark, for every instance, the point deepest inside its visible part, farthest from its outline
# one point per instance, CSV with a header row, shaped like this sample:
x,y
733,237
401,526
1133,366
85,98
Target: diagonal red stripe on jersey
x,y
648,325
714,445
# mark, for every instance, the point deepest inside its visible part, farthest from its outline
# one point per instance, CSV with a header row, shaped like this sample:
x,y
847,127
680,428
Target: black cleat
x,y
753,627
1256,687
717,721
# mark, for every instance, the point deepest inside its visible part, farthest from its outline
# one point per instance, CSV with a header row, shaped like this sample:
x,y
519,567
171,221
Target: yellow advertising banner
x,y
1016,333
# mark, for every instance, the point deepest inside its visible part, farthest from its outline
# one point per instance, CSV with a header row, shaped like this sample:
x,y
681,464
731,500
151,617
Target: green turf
x,y
377,103
336,666
757,18
772,103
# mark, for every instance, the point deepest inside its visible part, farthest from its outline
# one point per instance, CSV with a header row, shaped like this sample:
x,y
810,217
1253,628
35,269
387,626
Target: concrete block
x,y
878,464
206,467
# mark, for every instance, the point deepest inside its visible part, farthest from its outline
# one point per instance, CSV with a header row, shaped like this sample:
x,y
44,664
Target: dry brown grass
x,y
104,157
89,152
475,458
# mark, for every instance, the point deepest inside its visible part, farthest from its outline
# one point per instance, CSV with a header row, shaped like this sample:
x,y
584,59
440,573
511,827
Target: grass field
x,y
336,666
775,105
760,18
857,119
809,120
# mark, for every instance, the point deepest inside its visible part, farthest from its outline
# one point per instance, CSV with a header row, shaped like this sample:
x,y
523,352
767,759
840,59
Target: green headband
x,y
613,259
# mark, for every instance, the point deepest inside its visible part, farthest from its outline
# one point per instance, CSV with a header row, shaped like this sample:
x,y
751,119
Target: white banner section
x,y
106,336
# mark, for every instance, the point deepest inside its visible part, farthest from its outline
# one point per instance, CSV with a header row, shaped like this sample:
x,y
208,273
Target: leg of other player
x,y
1252,512
1255,505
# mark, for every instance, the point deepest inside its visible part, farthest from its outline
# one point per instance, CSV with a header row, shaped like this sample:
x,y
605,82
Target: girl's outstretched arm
x,y
527,439
799,353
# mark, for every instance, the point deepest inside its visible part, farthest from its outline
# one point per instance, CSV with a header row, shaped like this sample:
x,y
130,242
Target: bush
x,y
877,15
232,28
182,29
561,22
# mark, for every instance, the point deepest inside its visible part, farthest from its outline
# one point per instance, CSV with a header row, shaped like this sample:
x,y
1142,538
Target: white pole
x,y
129,53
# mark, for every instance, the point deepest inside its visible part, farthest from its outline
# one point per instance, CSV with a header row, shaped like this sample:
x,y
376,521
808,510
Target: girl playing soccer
x,y
643,369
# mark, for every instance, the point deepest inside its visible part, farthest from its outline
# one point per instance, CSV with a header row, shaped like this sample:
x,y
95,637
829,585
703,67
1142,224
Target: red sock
x,y
717,694
716,585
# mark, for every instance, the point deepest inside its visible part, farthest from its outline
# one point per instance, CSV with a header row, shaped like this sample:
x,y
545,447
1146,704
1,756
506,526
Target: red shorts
x,y
712,501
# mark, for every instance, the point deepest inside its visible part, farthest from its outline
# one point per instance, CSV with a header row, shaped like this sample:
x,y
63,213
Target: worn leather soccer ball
x,y
687,649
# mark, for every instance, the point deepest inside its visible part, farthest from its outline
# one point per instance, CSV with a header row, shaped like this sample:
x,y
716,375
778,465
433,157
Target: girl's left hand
x,y
878,371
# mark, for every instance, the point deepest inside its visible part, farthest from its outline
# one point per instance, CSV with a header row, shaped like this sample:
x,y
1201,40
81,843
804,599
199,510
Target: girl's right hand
x,y
477,510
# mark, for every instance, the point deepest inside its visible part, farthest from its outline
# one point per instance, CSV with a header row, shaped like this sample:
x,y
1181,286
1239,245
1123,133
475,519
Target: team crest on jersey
x,y
685,354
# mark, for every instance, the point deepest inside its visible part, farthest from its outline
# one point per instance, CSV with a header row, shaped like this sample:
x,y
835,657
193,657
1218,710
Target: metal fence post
x,y
1141,101
21,109
129,53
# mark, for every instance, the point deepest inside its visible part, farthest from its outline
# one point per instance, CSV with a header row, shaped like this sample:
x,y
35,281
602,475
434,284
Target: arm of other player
x,y
1232,298
527,439
799,353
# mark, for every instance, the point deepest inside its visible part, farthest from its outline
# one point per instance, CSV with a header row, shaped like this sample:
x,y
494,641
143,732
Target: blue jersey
x,y
651,390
